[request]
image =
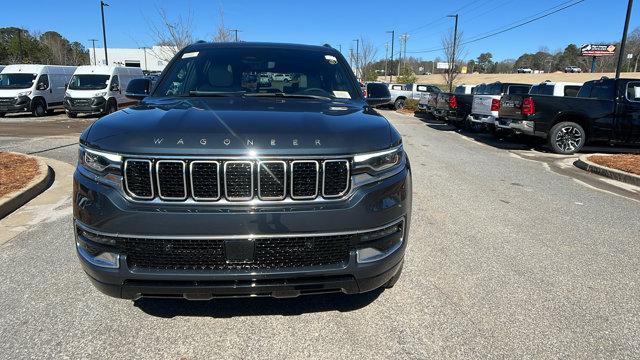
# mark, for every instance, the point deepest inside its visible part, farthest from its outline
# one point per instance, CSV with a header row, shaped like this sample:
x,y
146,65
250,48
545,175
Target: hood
x,y
242,126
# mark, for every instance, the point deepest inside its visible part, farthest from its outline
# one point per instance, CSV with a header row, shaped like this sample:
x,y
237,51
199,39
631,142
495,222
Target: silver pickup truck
x,y
401,92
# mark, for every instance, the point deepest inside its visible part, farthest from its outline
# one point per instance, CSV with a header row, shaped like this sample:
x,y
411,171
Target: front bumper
x,y
15,105
102,209
85,105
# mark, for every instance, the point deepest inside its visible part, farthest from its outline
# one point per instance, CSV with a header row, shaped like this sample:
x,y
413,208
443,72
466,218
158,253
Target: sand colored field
x,y
521,78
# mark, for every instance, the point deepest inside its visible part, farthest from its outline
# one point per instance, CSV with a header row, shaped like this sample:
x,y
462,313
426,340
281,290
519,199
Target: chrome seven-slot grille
x,y
236,180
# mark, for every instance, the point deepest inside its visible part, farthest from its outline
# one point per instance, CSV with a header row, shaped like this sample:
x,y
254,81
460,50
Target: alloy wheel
x,y
568,138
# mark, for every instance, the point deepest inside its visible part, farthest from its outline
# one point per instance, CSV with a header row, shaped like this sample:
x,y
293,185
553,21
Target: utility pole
x,y
357,57
20,45
351,58
403,46
236,32
340,47
624,39
104,32
453,51
386,58
93,44
393,35
144,48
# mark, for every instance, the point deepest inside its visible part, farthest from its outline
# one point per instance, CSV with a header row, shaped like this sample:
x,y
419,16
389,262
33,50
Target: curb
x,y
12,201
584,164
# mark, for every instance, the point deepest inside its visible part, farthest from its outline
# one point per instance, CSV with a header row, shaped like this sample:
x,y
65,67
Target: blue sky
x,y
338,22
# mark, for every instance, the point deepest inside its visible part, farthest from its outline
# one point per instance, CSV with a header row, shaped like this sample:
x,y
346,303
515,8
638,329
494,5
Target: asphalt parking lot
x,y
512,253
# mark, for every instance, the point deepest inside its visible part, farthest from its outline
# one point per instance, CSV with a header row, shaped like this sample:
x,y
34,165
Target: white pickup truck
x,y
401,92
486,101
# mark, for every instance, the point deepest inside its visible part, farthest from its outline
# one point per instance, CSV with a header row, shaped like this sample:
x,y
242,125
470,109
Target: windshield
x,y
89,82
259,72
16,81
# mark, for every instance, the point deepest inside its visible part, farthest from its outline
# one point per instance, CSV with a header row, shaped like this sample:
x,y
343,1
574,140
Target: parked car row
x,y
401,92
41,89
567,115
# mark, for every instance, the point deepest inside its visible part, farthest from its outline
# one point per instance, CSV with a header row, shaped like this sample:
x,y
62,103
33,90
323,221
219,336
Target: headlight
x,y
378,162
100,94
24,93
104,166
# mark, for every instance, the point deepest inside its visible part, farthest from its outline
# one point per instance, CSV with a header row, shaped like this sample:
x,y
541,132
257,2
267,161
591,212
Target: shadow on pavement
x,y
231,307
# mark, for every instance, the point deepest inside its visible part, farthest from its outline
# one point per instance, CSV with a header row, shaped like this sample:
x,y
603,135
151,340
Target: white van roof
x,y
37,69
108,70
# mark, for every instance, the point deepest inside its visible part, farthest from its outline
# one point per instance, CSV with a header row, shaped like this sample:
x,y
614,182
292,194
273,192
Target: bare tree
x,y
222,34
363,59
171,36
453,53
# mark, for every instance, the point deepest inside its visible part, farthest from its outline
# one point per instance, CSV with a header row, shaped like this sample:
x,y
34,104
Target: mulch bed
x,y
625,162
16,171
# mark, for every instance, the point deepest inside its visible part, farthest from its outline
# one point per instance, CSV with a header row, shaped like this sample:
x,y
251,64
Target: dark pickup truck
x,y
455,107
605,110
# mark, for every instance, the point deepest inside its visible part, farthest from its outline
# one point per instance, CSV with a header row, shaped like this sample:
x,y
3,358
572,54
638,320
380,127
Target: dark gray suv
x,y
219,184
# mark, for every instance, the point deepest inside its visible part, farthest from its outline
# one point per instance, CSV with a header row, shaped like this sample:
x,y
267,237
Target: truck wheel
x,y
399,104
39,108
2,114
111,107
566,137
389,284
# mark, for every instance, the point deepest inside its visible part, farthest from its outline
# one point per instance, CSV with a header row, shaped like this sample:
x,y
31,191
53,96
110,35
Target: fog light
x,y
97,257
378,244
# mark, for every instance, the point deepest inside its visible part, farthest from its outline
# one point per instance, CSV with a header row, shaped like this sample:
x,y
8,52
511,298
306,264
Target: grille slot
x,y
172,180
335,178
207,254
238,180
205,184
137,178
304,179
272,180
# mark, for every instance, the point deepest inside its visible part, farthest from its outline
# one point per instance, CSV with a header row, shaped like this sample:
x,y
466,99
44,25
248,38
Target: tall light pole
x,y
104,32
236,33
393,35
357,56
93,44
624,39
453,51
144,48
403,45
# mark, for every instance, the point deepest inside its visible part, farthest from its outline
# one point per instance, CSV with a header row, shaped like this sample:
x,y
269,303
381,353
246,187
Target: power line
x,y
494,32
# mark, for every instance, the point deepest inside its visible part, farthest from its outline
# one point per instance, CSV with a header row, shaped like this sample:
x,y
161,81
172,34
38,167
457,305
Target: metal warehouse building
x,y
154,58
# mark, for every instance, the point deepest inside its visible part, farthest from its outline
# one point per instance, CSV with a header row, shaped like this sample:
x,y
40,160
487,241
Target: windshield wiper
x,y
215,93
281,94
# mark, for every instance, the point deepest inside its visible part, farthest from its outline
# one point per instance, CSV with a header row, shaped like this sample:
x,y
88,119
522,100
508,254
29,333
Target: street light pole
x,y
93,44
386,58
624,39
104,32
393,35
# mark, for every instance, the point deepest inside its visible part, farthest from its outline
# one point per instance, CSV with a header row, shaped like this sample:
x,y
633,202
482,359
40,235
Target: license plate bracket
x,y
239,251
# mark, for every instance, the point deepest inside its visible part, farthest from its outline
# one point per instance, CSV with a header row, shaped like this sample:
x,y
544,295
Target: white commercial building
x,y
154,58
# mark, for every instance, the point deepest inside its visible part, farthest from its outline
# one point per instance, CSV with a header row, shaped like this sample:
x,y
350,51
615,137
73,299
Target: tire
x,y
398,104
566,137
2,114
389,284
50,111
72,115
111,107
39,108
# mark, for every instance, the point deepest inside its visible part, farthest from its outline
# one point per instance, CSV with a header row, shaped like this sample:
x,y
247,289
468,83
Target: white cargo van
x,y
99,89
33,88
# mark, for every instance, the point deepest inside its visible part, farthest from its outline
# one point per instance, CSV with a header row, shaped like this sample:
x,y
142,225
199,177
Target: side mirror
x,y
41,86
138,89
378,94
115,87
66,86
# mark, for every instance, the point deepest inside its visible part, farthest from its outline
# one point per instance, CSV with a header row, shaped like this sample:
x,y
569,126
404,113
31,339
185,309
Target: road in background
x,y
506,257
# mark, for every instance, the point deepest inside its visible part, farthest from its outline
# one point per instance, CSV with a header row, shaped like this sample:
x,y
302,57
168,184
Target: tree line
x,y
20,46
